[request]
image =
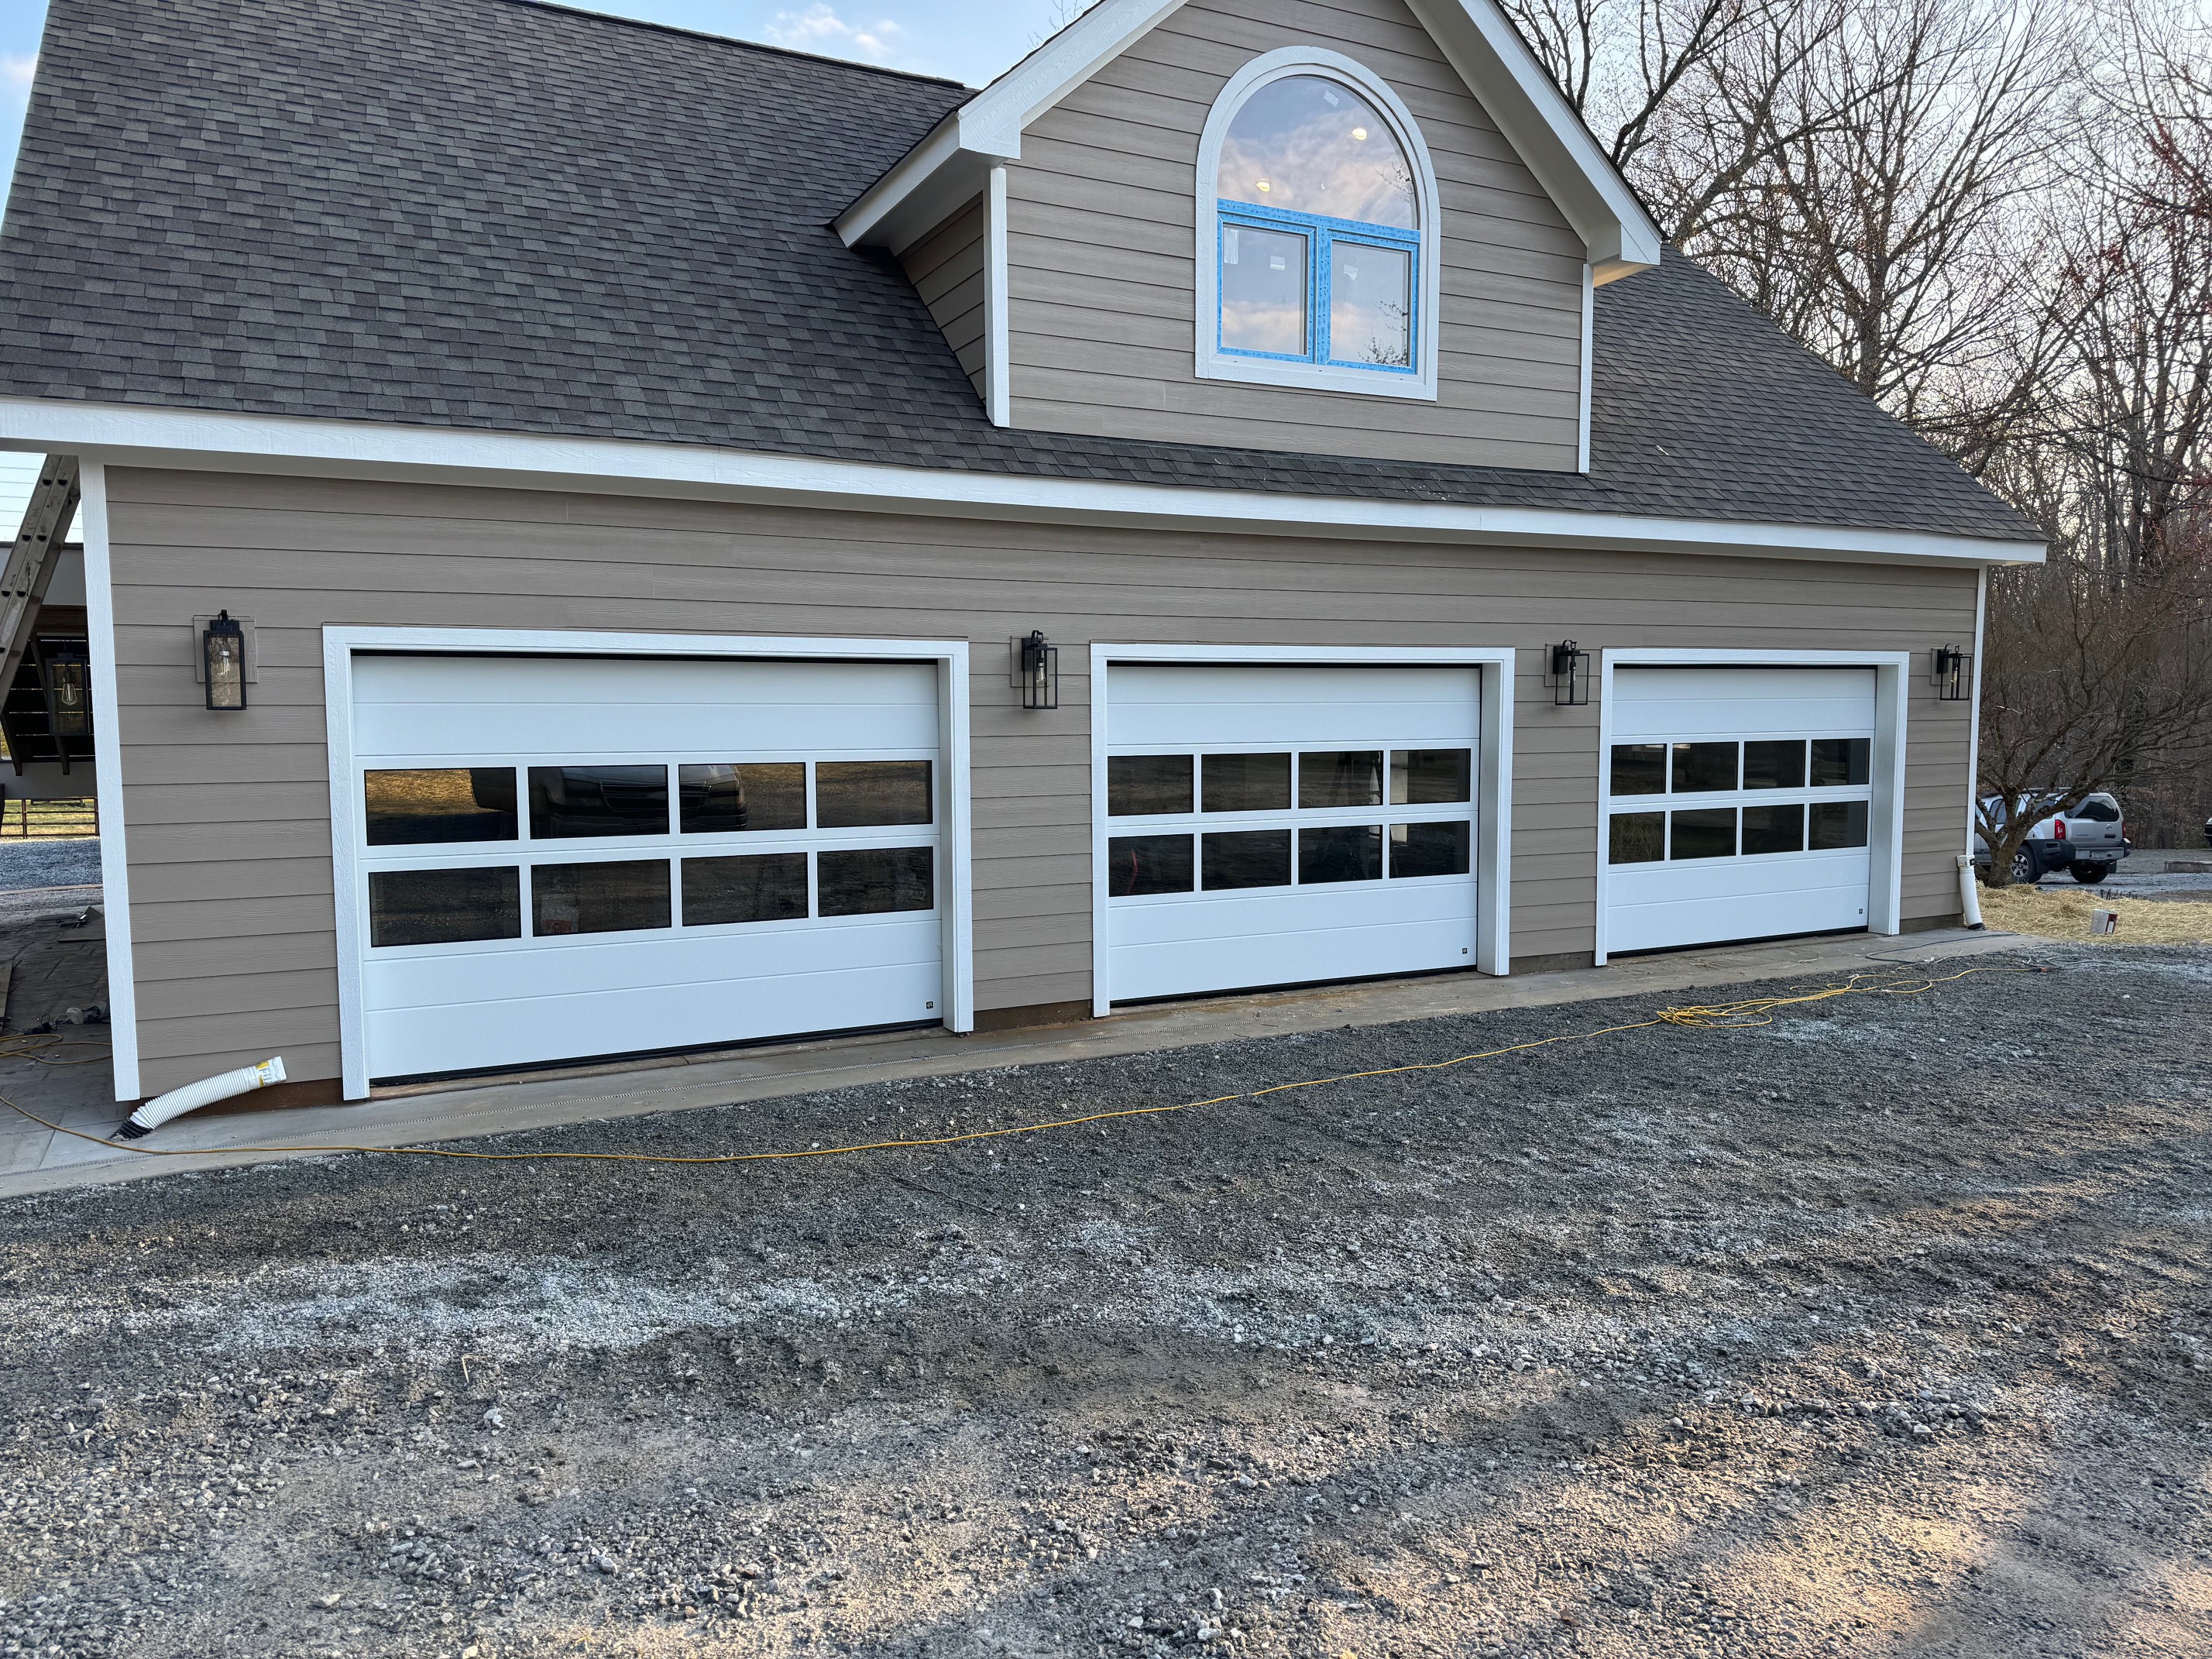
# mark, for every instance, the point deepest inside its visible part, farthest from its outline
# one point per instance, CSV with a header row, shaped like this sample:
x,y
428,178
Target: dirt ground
x,y
1883,1329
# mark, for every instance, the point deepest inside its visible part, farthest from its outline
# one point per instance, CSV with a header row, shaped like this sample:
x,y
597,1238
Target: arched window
x,y
1317,234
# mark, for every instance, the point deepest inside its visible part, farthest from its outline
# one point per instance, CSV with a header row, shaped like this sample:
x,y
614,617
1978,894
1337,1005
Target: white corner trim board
x,y
1493,803
1215,364
998,347
107,773
124,435
341,644
1893,681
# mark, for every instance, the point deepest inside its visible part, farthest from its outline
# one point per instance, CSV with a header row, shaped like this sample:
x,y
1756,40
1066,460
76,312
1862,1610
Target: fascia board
x,y
1544,129
989,127
129,436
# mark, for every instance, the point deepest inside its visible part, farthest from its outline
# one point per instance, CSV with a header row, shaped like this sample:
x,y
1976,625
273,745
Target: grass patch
x,y
2046,914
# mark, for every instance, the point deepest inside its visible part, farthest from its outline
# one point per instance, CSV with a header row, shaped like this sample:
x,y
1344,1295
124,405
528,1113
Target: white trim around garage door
x,y
1892,670
340,643
1494,838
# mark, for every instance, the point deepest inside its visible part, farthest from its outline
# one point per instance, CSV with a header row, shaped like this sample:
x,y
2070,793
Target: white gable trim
x,y
1536,118
123,435
947,168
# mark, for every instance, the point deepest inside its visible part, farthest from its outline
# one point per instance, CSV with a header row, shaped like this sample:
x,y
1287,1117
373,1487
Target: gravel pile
x,y
48,863
1883,1328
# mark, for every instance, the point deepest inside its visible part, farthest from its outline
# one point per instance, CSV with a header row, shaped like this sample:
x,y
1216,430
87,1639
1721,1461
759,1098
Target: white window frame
x,y
1885,813
1493,782
1215,364
341,643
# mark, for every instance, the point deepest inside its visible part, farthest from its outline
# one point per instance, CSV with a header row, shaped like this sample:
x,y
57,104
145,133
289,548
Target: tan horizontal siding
x,y
226,817
947,269
1102,286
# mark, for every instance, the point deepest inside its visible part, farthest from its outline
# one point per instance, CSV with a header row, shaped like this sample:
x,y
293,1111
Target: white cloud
x,y
819,29
15,73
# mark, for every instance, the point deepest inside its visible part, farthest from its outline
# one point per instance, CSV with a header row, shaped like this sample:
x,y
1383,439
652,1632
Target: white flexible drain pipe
x,y
1970,902
208,1090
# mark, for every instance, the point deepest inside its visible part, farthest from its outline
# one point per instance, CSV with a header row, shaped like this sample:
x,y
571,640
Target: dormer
x,y
1370,230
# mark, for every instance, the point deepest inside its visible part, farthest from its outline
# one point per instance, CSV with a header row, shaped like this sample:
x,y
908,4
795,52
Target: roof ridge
x,y
561,6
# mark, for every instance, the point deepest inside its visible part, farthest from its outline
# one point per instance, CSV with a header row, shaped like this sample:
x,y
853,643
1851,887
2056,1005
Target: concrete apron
x,y
483,1106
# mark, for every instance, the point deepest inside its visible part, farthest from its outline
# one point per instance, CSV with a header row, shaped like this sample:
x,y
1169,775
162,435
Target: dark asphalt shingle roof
x,y
503,215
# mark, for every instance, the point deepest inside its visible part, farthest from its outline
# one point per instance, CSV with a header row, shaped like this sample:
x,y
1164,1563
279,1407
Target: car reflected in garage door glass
x,y
1706,833
856,794
717,799
1340,853
444,906
1837,824
620,897
1431,777
422,806
574,802
1637,838
752,887
1246,858
1429,849
862,881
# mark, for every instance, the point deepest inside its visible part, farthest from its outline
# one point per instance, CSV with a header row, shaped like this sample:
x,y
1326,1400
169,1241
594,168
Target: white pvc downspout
x,y
208,1090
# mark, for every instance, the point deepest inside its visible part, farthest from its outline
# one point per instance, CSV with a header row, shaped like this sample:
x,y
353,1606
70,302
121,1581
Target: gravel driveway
x,y
1883,1329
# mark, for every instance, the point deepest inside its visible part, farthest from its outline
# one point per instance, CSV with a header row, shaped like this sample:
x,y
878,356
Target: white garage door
x,y
563,857
1279,825
1737,803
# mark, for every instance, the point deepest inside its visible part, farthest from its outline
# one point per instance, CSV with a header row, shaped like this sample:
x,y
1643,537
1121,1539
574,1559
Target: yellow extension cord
x,y
1721,1016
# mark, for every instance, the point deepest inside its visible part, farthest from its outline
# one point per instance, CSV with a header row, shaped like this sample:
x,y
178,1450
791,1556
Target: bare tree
x,y
2081,678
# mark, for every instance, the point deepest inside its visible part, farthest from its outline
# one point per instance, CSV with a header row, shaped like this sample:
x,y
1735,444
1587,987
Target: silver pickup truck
x,y
2087,843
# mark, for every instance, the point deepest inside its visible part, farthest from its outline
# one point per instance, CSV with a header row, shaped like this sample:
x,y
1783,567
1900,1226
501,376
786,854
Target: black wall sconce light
x,y
1035,669
1953,678
67,684
222,650
1568,674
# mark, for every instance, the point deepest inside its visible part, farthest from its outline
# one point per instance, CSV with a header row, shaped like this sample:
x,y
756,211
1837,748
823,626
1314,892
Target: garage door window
x,y
618,897
1638,838
444,906
1148,786
1245,858
571,802
716,801
423,806
751,887
866,881
1430,849
1774,829
1707,833
859,794
1246,783
1838,823
1138,866
1331,781
1842,762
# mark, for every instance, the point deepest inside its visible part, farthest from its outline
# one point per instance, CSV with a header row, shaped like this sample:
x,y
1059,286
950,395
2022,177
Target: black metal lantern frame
x,y
1568,673
1953,677
1035,669
222,651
